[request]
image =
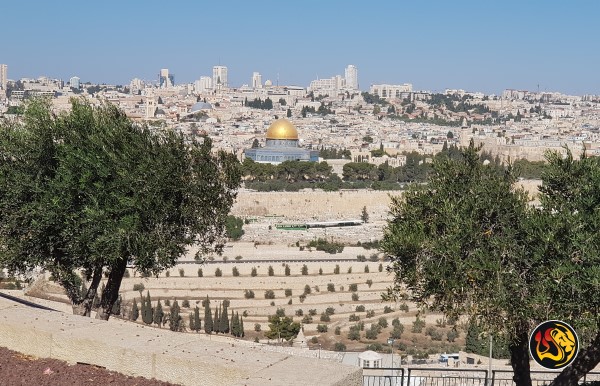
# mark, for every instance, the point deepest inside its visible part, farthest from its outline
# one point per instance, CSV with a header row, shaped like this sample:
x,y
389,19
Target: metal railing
x,y
455,377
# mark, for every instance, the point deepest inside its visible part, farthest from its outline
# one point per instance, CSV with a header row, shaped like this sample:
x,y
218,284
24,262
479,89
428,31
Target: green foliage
x,y
330,310
158,314
312,312
451,335
326,246
354,333
181,272
257,327
185,303
306,289
339,346
175,320
249,294
233,227
336,270
90,190
208,319
304,269
258,103
218,272
330,287
353,318
288,292
200,273
354,297
282,328
325,317
138,287
360,308
418,325
367,271
370,313
299,312
135,312
321,328
287,270
387,309
269,294
382,322
147,310
235,271
338,330
271,271
307,319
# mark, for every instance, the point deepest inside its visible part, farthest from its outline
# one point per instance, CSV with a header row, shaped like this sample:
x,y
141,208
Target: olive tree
x,y
89,192
468,243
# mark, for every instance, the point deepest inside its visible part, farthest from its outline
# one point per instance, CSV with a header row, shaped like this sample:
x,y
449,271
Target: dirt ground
x,y
18,369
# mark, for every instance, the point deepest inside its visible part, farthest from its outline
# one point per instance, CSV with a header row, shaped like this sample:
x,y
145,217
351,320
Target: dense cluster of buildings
x,y
333,113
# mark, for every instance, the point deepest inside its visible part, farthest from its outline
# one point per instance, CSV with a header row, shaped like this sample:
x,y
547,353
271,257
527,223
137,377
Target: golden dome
x,y
282,129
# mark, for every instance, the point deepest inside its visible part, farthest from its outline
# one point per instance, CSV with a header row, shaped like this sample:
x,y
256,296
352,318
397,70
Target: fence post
x,y
493,377
408,380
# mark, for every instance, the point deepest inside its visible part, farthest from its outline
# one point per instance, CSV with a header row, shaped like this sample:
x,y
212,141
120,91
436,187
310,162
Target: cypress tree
x,y
208,320
231,323
116,308
147,311
175,320
217,320
192,326
197,322
135,313
242,327
235,330
224,319
158,314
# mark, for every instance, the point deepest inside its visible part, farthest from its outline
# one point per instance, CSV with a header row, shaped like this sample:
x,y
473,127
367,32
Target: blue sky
x,y
474,45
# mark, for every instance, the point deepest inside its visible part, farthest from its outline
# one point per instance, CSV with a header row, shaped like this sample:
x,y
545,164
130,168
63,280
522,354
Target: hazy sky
x,y
480,45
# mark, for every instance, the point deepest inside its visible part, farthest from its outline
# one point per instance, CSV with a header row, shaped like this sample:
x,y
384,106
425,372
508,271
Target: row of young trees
x,y
219,323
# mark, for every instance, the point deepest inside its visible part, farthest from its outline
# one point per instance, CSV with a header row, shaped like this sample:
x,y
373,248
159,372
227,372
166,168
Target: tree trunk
x,y
586,361
85,304
519,359
111,290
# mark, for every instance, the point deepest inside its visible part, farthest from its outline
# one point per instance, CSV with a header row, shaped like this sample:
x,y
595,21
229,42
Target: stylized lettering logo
x,y
553,344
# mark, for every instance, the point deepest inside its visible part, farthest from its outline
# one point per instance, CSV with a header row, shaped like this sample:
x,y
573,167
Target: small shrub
x,y
238,257
312,312
353,287
396,322
330,287
380,268
325,318
126,274
185,304
396,332
349,269
269,294
302,298
375,347
181,272
336,270
304,270
280,312
354,334
320,271
330,311
341,288
253,272
338,330
374,257
245,313
316,288
370,313
322,328
314,340
306,289
257,327
354,297
288,292
372,333
235,271
271,271
290,301
369,283
138,287
360,308
299,312
168,273
218,272
200,273
307,319
452,335
249,294
418,325
287,270
273,304
382,322
339,346
387,309
361,258
366,269
353,318
167,302
403,307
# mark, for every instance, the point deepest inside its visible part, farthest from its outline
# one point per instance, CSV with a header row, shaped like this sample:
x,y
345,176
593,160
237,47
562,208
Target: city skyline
x,y
434,45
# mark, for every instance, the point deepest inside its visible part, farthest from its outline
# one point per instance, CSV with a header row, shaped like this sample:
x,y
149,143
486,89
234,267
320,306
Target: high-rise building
x,y
351,75
74,82
165,79
3,76
256,80
203,85
219,77
135,86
